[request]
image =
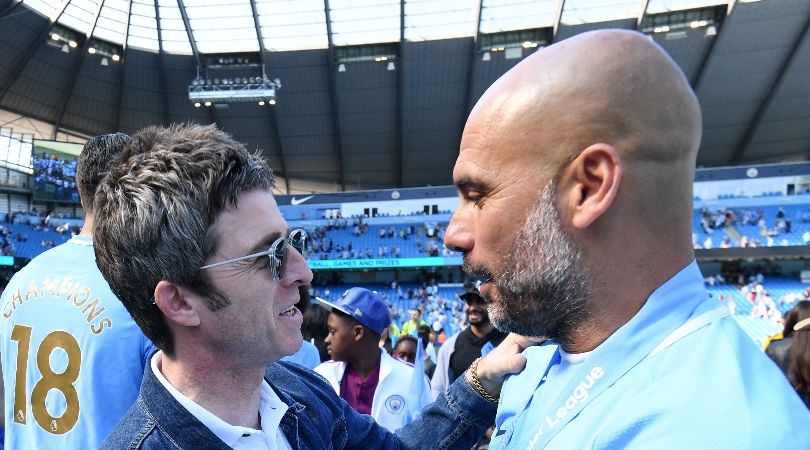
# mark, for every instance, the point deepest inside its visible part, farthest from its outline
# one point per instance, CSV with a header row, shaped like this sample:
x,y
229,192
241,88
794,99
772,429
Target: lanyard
x,y
666,317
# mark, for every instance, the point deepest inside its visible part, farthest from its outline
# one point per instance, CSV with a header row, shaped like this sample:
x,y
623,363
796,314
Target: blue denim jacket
x,y
317,419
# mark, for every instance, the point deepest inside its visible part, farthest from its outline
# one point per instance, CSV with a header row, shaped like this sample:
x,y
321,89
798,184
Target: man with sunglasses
x,y
193,243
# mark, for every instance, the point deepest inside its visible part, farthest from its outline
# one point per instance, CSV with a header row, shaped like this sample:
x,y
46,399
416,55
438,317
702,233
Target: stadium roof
x,y
343,118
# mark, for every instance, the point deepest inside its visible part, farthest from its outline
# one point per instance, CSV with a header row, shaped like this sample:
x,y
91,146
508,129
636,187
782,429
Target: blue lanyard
x,y
660,320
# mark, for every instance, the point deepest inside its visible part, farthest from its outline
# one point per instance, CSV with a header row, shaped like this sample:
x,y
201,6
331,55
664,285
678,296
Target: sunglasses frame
x,y
277,252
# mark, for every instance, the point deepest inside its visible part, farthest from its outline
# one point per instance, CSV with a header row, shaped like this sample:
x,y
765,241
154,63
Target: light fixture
x,y
65,48
272,101
486,56
105,62
711,31
91,50
391,66
55,37
115,57
341,67
73,44
227,90
197,104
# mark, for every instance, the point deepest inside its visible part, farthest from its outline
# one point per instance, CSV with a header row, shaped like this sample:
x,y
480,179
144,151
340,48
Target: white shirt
x,y
573,358
271,410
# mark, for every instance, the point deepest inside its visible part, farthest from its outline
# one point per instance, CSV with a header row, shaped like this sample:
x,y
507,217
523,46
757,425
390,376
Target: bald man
x,y
590,146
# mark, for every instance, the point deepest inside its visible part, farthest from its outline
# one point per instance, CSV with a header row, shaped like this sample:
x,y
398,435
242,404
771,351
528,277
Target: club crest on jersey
x,y
395,404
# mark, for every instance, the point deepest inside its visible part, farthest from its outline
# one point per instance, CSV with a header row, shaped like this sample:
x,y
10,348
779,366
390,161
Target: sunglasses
x,y
276,252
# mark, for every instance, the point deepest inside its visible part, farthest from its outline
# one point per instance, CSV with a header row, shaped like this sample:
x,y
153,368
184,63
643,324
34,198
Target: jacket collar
x,y
172,418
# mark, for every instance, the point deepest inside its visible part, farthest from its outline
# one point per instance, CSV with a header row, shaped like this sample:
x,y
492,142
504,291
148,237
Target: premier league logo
x,y
395,404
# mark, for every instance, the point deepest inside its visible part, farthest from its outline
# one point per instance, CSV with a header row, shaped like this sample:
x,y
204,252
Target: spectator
x,y
790,350
640,355
308,355
405,350
102,353
366,377
409,327
314,328
183,252
458,352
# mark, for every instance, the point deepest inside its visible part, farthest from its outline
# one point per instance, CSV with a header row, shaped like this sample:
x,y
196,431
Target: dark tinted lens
x,y
297,238
277,252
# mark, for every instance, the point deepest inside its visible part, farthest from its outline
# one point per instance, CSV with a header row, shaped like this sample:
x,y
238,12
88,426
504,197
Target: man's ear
x,y
176,304
358,332
591,184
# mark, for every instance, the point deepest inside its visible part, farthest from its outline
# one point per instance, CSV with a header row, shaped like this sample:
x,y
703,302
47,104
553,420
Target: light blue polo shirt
x,y
679,375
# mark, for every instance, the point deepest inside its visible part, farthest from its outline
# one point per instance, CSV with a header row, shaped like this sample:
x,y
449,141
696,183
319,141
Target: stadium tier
x,y
766,225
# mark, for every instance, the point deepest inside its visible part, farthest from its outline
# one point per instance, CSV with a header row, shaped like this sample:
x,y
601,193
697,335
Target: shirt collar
x,y
271,410
686,283
82,240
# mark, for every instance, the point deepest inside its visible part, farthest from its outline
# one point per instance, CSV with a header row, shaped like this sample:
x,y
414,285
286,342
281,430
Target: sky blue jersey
x,y
680,375
72,356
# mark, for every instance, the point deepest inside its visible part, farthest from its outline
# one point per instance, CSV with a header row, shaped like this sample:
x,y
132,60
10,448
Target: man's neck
x,y
366,363
482,329
87,228
230,393
619,301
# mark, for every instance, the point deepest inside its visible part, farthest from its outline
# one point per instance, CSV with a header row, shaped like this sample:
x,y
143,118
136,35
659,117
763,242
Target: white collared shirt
x,y
271,410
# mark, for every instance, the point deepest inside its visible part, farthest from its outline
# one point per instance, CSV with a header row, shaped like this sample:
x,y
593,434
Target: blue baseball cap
x,y
363,306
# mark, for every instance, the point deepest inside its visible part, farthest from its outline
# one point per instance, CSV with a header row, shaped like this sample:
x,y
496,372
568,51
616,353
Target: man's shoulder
x,y
448,346
327,367
718,371
136,430
62,258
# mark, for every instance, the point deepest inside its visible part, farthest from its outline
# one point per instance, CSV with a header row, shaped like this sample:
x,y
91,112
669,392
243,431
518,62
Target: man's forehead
x,y
473,167
254,219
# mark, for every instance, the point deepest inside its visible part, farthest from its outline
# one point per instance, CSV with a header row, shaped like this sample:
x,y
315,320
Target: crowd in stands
x,y
337,240
758,302
766,226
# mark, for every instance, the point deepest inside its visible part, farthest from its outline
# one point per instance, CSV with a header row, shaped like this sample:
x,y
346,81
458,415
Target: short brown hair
x,y
93,164
155,211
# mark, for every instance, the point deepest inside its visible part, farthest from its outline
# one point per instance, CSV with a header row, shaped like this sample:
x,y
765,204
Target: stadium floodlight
x,y
259,89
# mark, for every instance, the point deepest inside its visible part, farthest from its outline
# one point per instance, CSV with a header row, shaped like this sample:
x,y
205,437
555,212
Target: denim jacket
x,y
316,419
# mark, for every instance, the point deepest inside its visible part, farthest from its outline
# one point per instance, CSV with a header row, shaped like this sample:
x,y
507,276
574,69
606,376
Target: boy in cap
x,y
370,380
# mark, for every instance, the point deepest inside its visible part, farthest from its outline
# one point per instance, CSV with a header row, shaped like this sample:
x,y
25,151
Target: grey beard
x,y
545,288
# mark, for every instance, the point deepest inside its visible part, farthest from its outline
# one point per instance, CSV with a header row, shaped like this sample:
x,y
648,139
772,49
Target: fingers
x,y
522,342
516,363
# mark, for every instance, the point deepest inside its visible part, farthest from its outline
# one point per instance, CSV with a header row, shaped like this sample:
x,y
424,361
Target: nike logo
x,y
297,201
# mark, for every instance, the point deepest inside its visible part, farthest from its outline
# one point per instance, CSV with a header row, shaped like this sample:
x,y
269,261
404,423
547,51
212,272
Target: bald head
x,y
610,86
614,87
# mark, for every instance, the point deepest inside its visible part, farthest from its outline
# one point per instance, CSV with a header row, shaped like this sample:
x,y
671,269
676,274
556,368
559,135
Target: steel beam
x,y
332,68
271,110
750,131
